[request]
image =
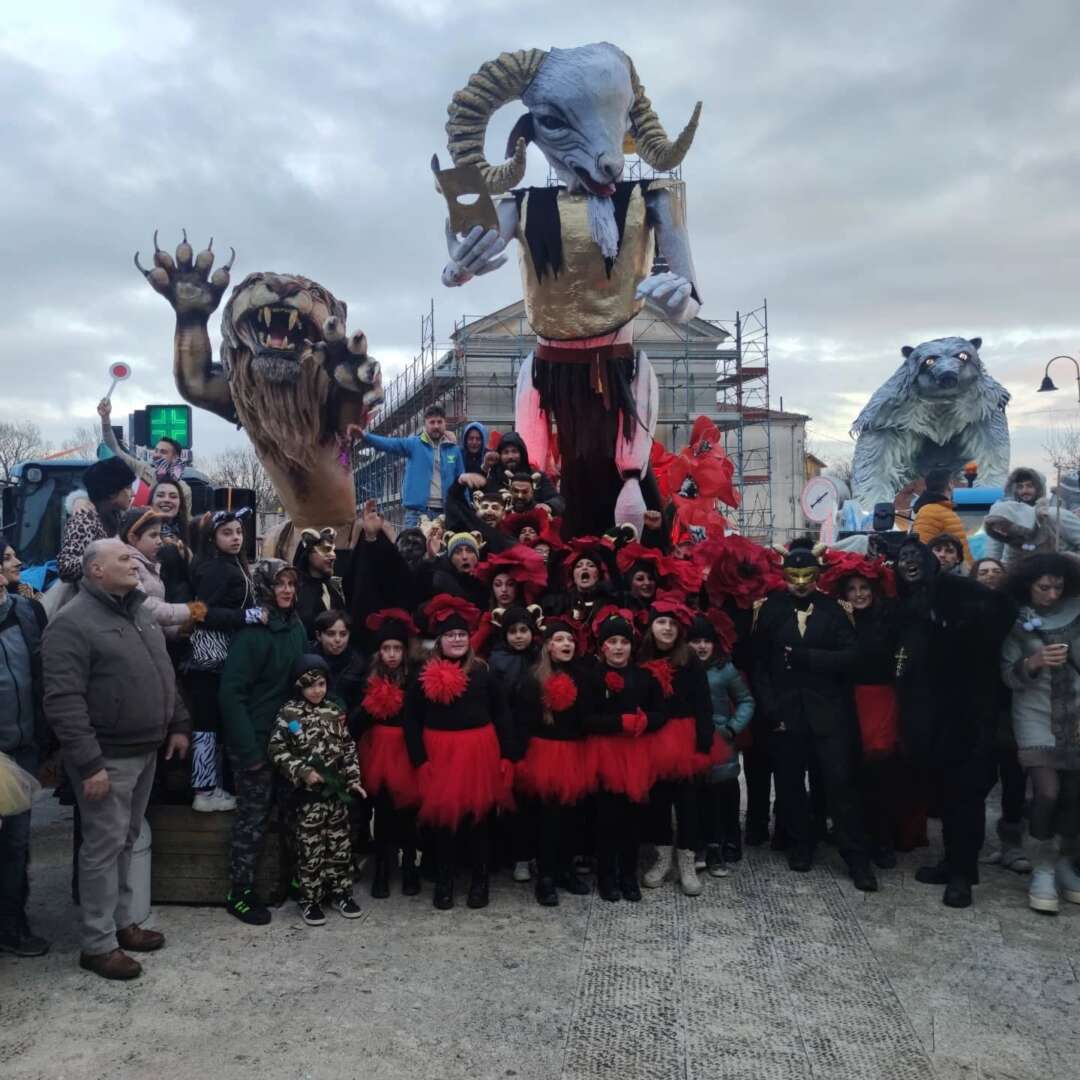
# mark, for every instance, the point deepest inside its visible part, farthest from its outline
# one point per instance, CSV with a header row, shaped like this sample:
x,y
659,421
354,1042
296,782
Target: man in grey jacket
x,y
110,697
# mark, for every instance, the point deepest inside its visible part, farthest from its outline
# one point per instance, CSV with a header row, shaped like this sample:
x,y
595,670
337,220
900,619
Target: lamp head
x,y
1046,384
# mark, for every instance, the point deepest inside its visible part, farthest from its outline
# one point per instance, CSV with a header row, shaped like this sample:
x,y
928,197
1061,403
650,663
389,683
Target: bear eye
x,y
930,361
963,357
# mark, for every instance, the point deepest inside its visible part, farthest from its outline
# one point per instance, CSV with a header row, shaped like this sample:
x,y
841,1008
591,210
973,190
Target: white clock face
x,y
819,498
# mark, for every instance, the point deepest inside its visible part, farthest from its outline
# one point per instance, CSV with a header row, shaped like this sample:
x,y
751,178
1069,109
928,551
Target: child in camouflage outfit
x,y
311,746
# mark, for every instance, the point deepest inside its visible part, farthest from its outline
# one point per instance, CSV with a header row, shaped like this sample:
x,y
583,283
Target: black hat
x,y
307,668
517,613
105,478
701,627
612,626
391,624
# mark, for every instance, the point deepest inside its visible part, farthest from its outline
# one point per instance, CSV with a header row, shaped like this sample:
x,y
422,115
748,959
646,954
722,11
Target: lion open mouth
x,y
279,329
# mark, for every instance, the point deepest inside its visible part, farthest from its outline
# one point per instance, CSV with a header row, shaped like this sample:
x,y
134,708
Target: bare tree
x,y
1062,447
20,440
240,467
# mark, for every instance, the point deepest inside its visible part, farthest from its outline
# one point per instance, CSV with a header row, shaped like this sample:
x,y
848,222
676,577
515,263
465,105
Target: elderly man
x,y
110,697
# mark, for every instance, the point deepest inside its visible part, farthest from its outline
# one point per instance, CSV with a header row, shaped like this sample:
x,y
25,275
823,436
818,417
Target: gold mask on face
x,y
805,576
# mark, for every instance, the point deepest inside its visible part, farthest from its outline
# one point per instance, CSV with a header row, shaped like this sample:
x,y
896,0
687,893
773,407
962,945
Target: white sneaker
x,y
1068,879
521,871
657,874
1042,892
207,802
688,878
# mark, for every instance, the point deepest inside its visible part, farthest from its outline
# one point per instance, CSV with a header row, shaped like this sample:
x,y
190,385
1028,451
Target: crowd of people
x,y
477,693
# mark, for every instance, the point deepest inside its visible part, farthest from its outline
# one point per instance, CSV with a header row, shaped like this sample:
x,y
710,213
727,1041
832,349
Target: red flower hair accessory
x,y
635,552
840,565
444,607
610,611
662,671
443,681
535,519
587,547
392,614
382,698
614,682
523,564
672,607
741,571
726,634
559,693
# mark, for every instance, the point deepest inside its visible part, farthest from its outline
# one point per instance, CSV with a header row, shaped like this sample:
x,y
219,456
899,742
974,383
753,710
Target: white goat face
x,y
580,107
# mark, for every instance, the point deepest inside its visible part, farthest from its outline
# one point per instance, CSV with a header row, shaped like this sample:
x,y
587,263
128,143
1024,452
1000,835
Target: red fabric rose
x,y
741,570
560,692
442,681
614,681
844,564
634,723
662,671
382,699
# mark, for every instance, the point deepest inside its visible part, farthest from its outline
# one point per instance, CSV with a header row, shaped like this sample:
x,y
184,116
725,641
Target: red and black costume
x,y
626,705
389,776
458,734
553,775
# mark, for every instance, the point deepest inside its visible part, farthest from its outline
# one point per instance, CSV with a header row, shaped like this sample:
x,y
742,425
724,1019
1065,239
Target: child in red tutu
x,y
712,637
682,749
388,773
553,776
626,704
457,730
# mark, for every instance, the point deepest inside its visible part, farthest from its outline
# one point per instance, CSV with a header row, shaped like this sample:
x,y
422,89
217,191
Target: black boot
x,y
478,889
800,860
546,896
628,886
410,875
380,881
732,847
608,888
957,892
933,875
443,898
756,834
884,857
863,877
568,881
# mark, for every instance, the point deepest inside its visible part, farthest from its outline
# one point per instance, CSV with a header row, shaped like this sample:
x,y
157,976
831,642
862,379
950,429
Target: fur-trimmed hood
x,y
1025,473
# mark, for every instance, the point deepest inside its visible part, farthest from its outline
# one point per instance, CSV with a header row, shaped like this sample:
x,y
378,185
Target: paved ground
x,y
769,974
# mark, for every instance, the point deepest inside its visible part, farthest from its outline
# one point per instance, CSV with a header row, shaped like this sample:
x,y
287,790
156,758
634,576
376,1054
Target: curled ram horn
x,y
497,82
653,145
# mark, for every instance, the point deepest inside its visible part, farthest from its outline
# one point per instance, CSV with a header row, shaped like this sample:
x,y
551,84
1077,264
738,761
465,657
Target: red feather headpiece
x,y
587,547
443,607
392,614
676,609
523,564
844,564
514,523
609,611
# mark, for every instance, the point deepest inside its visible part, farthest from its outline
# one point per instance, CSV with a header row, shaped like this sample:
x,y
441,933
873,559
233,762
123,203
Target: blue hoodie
x,y
474,462
420,453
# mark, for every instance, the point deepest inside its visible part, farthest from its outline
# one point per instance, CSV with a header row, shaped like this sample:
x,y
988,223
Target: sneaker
x,y
1042,892
1014,859
247,907
23,943
348,908
715,862
312,914
1068,879
521,870
208,802
699,860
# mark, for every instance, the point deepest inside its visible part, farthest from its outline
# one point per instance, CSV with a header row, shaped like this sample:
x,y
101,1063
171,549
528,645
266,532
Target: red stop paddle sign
x,y
117,372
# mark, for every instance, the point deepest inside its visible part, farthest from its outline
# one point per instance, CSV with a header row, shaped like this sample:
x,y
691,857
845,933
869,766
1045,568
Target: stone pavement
x,y
769,974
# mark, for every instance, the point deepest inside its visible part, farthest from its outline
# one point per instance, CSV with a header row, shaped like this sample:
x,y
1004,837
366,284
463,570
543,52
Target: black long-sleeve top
x,y
640,690
527,706
690,696
483,702
226,590
875,646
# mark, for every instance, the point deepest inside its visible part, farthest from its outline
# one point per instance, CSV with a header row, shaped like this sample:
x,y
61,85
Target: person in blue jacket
x,y
474,438
435,463
733,706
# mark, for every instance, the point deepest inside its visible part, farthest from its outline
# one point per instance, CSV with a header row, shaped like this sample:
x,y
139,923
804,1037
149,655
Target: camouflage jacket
x,y
303,733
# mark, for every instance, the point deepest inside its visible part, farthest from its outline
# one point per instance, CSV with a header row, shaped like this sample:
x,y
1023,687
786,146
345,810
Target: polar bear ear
x,y
906,351
976,341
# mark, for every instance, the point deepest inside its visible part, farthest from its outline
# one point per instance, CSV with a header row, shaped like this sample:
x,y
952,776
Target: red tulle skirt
x,y
465,778
719,753
620,764
672,750
385,765
878,719
554,769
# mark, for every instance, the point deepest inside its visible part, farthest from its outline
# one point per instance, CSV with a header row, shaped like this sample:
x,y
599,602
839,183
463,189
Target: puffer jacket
x,y
170,617
733,709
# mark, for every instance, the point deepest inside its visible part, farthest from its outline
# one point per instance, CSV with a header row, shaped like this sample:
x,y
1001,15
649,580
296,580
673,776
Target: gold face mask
x,y
801,577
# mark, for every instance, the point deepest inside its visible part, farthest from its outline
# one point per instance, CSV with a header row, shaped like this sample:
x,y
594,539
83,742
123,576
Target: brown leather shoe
x,y
136,939
111,965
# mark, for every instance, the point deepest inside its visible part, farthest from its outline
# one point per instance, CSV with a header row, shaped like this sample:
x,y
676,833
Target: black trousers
x,y
548,828
682,796
471,839
964,786
619,824
794,753
879,787
758,767
395,830
718,804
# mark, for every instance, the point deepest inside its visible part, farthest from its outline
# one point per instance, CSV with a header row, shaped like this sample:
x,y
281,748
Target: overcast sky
x,y
884,174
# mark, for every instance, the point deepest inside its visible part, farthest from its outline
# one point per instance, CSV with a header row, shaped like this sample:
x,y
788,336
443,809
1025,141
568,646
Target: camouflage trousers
x,y
321,835
254,795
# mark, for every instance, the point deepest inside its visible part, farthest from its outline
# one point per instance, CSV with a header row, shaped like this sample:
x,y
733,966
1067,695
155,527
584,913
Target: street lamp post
x,y
1048,383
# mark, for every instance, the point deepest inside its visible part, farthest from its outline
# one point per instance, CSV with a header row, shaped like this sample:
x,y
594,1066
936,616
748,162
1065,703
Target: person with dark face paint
x,y
949,635
805,651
